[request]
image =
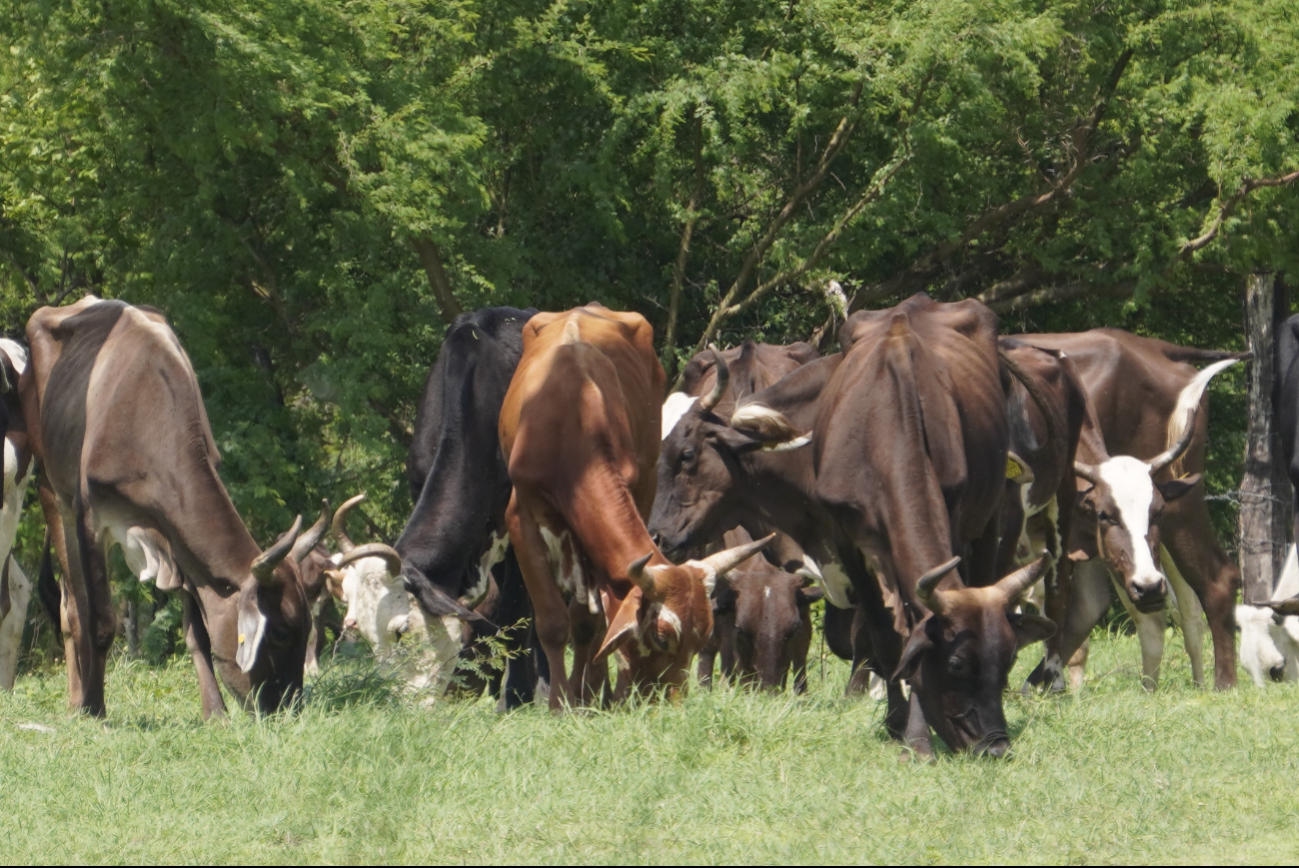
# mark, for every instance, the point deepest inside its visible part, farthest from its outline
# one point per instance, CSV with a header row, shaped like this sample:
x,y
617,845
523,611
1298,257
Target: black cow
x,y
456,536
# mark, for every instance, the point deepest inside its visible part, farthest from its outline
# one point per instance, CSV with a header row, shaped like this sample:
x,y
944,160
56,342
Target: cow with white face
x,y
368,580
1117,531
15,588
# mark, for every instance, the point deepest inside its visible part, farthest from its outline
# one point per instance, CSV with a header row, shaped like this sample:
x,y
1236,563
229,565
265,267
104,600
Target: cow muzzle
x,y
1148,596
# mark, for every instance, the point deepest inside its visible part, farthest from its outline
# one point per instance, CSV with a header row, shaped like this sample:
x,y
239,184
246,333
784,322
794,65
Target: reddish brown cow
x,y
580,430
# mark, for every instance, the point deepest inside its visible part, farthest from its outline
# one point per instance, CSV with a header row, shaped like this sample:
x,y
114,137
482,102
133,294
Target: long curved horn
x,y
636,572
308,540
1024,578
1089,472
263,568
713,398
392,560
927,585
339,526
723,562
1188,406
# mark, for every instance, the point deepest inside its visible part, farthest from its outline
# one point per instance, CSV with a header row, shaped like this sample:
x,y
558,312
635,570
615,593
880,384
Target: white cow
x,y
1267,646
15,588
420,650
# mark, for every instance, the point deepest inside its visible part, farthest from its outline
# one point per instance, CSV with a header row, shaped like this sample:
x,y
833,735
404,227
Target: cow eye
x,y
687,456
959,666
1106,518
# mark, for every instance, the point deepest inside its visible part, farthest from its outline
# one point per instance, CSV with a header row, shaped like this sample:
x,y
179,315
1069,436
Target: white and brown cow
x,y
15,588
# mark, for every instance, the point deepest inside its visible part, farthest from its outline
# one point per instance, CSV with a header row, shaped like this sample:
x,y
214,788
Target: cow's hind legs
x,y
200,649
548,606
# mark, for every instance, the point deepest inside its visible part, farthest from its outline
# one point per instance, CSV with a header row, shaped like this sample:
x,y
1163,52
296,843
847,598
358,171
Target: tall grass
x,y
362,774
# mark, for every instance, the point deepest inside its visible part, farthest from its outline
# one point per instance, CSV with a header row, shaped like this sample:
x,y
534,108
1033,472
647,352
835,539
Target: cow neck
x,y
605,519
210,531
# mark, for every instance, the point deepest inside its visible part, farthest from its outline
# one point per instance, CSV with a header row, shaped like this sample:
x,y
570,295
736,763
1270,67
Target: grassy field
x,y
1108,775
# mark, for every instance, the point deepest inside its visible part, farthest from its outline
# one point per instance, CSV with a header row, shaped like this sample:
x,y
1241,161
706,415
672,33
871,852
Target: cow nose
x,y
349,623
998,748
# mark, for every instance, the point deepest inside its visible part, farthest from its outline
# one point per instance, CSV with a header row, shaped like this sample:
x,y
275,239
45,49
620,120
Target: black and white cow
x,y
454,551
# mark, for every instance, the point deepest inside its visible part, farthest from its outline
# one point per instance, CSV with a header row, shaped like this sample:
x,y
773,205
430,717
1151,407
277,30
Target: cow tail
x,y
47,588
1175,353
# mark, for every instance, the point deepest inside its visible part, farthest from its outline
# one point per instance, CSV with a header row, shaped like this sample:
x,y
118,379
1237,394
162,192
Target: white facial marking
x,y
766,593
1133,491
676,406
672,619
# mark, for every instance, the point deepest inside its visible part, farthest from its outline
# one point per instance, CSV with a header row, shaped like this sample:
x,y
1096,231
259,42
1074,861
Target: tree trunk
x,y
431,258
1265,489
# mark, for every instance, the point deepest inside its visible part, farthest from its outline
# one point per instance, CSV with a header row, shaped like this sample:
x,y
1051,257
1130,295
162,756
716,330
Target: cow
x,y
580,430
1269,638
1148,402
851,499
1046,409
715,379
15,587
117,423
455,538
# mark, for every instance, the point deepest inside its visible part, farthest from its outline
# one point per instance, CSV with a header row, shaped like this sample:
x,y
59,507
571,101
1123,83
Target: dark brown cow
x,y
1148,401
580,430
117,422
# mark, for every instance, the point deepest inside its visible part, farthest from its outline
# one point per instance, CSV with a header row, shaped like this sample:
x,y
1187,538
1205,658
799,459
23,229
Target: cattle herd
x,y
953,494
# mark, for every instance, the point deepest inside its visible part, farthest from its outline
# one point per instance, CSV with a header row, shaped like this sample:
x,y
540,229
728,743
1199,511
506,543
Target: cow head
x,y
274,619
773,627
959,656
1125,504
699,472
666,617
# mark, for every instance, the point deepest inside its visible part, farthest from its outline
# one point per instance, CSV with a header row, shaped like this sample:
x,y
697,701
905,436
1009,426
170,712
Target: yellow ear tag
x,y
241,638
1012,468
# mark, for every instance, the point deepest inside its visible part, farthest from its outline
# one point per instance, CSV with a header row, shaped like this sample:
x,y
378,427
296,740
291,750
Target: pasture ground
x,y
1112,774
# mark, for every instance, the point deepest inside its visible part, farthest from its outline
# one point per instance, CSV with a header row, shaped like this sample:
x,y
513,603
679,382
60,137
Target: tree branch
x,y
431,258
1224,211
683,250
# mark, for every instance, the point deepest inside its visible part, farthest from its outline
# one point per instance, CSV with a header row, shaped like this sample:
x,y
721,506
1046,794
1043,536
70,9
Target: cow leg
x,y
1089,600
1059,588
859,681
520,674
1188,535
917,732
549,608
590,676
1150,633
1189,616
704,668
82,630
16,593
200,650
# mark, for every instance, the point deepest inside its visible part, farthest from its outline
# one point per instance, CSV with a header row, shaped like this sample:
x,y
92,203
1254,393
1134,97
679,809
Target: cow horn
x,y
264,565
927,585
1022,579
723,562
636,572
339,527
713,398
1089,472
1188,407
308,540
391,559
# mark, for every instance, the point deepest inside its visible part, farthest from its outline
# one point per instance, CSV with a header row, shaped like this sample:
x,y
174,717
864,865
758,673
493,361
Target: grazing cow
x,y
456,536
715,380
118,424
580,429
1149,408
1269,637
863,500
15,588
1046,408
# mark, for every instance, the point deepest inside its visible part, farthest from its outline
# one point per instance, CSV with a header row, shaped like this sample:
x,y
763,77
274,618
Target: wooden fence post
x,y
1265,489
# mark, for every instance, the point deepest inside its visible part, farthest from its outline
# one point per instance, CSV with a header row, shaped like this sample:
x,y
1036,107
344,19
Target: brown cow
x,y
1145,397
117,422
580,430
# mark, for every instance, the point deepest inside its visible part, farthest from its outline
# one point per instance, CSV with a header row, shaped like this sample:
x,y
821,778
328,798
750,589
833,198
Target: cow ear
x,y
1175,488
1031,628
622,626
735,441
252,627
809,595
917,645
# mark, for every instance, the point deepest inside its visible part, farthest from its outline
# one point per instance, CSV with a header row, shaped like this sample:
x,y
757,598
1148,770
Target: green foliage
x,y
265,173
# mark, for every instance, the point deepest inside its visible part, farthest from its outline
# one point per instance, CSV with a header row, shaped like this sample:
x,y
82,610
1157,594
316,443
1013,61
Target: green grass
x,y
1109,775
